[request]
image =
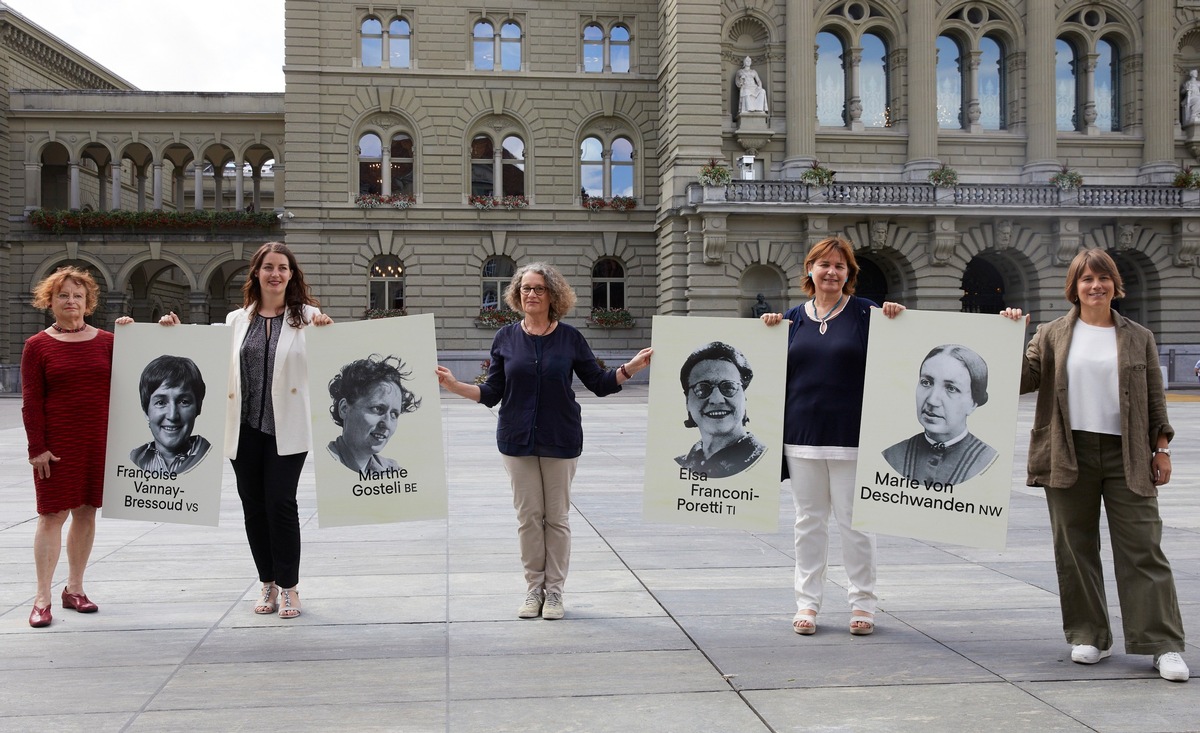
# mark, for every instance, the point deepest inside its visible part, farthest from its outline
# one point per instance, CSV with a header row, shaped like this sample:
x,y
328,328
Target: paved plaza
x,y
412,627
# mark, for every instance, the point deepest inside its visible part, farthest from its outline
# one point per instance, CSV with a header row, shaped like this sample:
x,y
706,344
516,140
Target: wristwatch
x,y
1164,451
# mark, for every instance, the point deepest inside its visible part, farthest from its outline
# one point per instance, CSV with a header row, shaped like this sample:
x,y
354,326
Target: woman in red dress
x,y
65,373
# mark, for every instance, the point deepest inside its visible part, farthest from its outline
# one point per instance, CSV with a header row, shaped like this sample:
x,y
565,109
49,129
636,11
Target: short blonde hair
x,y
562,295
44,292
1099,262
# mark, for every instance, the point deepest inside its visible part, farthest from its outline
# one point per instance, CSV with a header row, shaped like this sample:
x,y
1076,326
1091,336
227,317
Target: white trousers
x,y
542,498
818,486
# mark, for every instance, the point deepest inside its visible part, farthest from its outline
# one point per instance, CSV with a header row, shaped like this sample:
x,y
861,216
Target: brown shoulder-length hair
x,y
295,297
823,249
562,295
44,292
1099,262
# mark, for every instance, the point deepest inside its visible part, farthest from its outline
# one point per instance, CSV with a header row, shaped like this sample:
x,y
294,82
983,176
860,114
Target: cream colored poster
x,y
715,428
939,421
166,423
376,422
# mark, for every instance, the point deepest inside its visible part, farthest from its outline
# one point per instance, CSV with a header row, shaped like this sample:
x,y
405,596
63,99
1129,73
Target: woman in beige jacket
x,y
1100,435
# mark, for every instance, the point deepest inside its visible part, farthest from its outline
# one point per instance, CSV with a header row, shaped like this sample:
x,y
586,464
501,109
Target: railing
x,y
970,194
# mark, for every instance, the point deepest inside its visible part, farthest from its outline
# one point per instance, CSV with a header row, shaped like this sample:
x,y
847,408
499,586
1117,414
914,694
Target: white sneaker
x,y
532,607
1171,666
1088,654
554,606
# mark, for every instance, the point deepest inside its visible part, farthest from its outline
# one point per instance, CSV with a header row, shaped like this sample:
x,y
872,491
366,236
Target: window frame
x,y
387,281
500,42
608,281
500,281
605,44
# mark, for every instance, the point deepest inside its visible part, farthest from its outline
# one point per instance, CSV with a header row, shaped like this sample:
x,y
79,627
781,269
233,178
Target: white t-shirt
x,y
1092,391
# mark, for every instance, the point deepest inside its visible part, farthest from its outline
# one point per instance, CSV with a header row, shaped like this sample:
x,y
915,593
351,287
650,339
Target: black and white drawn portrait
x,y
172,393
952,382
368,398
714,380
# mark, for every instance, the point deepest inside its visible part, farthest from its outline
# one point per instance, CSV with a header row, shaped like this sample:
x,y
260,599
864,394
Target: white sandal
x,y
289,603
267,603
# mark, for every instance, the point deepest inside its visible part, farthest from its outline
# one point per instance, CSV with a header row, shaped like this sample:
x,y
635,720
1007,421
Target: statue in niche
x,y
760,306
1190,94
752,97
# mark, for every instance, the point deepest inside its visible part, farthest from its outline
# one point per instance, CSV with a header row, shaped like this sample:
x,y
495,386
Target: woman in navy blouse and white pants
x,y
540,433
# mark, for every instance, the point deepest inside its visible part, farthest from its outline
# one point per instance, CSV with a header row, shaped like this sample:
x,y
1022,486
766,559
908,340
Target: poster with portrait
x,y
938,427
166,424
715,426
376,422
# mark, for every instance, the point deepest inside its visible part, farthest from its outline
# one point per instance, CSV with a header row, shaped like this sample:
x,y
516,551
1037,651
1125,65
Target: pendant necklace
x,y
828,313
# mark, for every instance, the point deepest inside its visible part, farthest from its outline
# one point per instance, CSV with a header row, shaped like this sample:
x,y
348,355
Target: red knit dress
x,y
64,386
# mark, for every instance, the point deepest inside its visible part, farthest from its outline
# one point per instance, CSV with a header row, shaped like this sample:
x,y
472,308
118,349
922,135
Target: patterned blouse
x,y
258,364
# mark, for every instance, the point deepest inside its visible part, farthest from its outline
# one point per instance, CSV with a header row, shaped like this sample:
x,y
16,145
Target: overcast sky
x,y
173,45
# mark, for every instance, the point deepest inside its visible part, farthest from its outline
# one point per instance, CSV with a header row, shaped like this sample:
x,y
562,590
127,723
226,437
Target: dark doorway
x,y
983,288
872,284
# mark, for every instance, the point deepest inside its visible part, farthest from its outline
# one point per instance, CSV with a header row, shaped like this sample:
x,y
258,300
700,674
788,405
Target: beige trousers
x,y
542,497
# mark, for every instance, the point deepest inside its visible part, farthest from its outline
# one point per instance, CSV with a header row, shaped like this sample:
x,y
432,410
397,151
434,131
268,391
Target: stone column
x,y
385,171
800,89
922,92
73,169
1161,106
278,193
853,76
141,188
33,186
970,71
158,186
102,179
218,187
118,303
1089,92
606,183
1041,145
198,184
116,169
198,307
256,186
239,187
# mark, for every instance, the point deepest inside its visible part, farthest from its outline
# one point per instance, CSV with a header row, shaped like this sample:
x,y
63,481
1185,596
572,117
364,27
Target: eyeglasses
x,y
538,290
703,389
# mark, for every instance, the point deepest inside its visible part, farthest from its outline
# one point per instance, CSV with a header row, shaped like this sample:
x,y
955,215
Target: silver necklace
x,y
828,313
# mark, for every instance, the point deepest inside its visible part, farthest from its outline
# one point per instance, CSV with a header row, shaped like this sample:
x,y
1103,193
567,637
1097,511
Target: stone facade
x,y
411,93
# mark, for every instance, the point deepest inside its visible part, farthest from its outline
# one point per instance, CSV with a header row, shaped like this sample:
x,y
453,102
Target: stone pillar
x,y
800,89
118,303
141,188
198,307
922,92
33,186
1041,145
116,169
158,186
256,186
1089,93
239,187
606,184
73,171
385,171
970,72
102,179
198,184
218,187
278,193
853,77
1161,99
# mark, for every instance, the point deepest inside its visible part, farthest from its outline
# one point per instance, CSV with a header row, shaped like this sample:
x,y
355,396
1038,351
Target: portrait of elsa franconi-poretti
x,y
171,389
714,380
951,383
368,398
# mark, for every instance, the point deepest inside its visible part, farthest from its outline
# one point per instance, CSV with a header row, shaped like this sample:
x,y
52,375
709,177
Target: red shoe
x,y
39,617
79,602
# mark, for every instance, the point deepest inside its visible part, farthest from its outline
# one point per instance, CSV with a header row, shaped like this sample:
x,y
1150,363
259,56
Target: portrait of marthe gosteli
x,y
952,383
368,398
171,390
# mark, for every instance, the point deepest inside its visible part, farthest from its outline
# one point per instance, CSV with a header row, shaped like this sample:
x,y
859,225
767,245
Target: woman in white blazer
x,y
268,432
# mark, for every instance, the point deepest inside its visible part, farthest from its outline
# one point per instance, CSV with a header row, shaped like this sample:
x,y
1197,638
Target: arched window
x,y
495,275
1066,87
510,47
497,165
402,164
874,85
370,164
606,52
512,167
399,44
608,284
372,42
484,46
831,81
490,46
606,172
992,85
1105,85
385,283
483,174
949,84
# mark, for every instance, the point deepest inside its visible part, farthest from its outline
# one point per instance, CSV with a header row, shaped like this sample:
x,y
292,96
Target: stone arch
x,y
125,274
1142,281
54,261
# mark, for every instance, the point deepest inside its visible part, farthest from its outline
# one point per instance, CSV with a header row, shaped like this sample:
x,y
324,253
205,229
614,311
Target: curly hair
x,y
562,295
44,292
824,249
295,297
356,379
171,371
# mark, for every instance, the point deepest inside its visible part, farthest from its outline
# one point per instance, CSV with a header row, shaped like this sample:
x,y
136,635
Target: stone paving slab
x,y
411,627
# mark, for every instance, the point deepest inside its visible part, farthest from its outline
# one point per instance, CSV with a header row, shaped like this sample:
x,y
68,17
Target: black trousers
x,y
266,482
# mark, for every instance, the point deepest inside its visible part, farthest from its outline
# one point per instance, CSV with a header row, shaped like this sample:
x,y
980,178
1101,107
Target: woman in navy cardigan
x,y
540,433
